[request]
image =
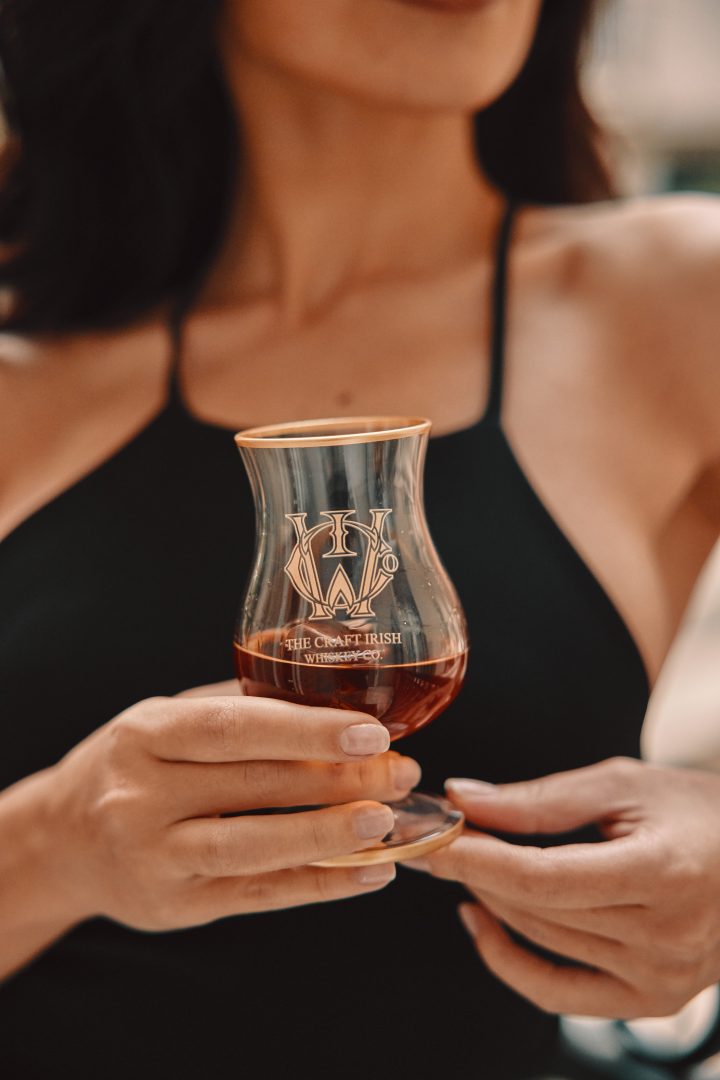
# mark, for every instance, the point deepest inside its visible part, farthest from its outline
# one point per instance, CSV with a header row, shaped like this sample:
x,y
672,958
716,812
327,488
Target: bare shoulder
x,y
653,240
660,257
36,374
684,222
28,372
652,266
71,388
89,366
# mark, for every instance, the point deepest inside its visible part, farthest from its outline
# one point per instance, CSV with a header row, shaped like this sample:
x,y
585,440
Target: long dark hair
x,y
122,153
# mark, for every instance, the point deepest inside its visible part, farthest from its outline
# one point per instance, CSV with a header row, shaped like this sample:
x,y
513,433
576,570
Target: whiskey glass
x,y
348,604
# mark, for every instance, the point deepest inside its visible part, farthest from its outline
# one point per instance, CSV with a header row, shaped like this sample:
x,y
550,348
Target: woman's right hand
x,y
134,809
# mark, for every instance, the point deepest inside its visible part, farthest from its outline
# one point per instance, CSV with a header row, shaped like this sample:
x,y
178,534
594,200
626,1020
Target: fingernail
x,y
469,918
371,824
365,739
417,864
380,874
406,773
469,789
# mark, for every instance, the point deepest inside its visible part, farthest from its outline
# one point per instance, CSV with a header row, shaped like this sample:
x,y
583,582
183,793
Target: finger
x,y
552,988
571,876
552,804
586,948
627,923
288,888
258,844
228,688
202,790
254,729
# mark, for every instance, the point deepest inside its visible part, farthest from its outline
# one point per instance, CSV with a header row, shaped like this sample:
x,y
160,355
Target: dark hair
x,y
118,172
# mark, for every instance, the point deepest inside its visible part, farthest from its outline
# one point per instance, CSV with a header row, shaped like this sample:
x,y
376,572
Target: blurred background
x,y
652,78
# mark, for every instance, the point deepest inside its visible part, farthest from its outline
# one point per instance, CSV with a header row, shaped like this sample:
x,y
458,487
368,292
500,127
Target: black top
x,y
125,586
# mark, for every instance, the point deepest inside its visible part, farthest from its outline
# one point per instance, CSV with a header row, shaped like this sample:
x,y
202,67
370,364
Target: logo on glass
x,y
347,538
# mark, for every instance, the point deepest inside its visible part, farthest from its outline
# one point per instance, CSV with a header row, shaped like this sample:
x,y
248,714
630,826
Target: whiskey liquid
x,y
403,697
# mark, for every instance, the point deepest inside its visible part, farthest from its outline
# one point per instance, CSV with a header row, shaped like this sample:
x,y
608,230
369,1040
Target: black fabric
x,y
125,586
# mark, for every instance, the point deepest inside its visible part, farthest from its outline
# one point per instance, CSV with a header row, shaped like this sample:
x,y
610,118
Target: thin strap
x,y
179,307
498,321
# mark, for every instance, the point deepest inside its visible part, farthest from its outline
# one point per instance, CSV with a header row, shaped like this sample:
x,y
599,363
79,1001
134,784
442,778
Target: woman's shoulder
x,y
658,257
660,234
667,236
650,266
66,402
655,259
89,365
661,256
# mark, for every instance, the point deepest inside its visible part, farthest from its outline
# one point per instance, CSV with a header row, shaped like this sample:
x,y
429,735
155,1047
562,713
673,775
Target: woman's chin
x,y
456,55
450,7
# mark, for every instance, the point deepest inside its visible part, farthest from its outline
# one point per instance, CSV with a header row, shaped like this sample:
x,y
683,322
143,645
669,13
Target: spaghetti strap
x,y
180,305
498,315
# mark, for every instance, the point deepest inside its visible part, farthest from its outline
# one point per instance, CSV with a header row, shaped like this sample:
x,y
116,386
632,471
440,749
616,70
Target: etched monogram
x,y
377,570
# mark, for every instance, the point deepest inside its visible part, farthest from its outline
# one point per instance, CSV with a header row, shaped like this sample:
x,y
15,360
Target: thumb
x,y
551,804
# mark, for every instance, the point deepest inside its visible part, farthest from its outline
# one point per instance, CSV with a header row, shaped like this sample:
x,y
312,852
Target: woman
x,y
339,263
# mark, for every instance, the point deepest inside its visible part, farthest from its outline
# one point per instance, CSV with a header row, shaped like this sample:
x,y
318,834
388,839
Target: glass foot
x,y
422,824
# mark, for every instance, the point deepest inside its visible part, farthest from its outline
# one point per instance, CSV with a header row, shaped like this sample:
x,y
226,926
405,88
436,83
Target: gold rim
x,y
413,849
334,431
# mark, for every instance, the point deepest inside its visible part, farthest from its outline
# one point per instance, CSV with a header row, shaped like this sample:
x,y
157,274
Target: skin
x,y
639,913
127,824
363,207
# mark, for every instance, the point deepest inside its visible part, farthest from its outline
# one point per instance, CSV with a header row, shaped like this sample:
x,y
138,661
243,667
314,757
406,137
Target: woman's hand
x,y
134,809
640,912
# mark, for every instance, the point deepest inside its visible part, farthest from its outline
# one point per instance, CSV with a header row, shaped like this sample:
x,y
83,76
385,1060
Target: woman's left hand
x,y
640,912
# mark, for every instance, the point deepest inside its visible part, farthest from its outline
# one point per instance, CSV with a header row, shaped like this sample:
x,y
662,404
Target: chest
x,y
581,409
580,422
129,586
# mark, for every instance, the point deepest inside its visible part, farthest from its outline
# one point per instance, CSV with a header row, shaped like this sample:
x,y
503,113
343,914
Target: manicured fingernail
x,y
380,874
469,918
365,739
374,824
406,773
469,789
417,864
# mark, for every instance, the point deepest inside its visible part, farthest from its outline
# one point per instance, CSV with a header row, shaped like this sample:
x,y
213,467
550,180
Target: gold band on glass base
x,y
423,823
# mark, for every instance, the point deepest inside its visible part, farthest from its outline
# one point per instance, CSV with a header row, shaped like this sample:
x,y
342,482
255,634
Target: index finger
x,y
570,876
216,729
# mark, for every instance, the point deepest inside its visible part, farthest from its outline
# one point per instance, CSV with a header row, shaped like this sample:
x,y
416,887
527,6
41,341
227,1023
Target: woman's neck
x,y
335,192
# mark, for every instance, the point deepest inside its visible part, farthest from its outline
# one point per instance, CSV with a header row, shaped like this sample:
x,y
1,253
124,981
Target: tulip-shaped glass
x,y
348,604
